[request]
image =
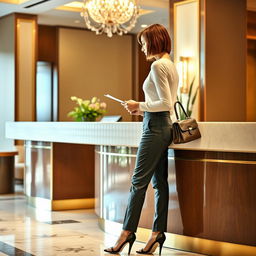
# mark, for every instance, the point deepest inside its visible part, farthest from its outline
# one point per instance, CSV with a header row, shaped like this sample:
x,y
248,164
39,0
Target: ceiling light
x,y
143,25
110,16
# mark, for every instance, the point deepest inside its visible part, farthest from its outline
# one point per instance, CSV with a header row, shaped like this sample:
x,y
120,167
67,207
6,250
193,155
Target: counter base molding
x,y
185,243
60,205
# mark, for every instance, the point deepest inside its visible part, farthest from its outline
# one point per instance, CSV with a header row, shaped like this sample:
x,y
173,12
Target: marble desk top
x,y
216,136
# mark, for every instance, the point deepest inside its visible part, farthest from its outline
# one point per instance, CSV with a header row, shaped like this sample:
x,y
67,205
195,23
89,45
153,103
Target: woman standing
x,y
160,89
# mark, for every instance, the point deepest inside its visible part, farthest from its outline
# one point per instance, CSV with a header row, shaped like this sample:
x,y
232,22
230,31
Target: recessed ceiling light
x,y
144,25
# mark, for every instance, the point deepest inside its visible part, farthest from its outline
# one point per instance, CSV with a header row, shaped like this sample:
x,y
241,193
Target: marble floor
x,y
25,231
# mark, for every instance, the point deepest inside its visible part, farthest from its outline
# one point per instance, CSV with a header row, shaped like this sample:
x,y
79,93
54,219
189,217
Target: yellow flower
x,y
86,102
79,101
94,99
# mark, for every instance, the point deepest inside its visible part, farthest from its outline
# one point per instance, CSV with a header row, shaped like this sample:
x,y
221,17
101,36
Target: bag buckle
x,y
190,129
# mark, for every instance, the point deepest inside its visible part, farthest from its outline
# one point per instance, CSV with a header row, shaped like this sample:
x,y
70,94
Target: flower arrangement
x,y
87,110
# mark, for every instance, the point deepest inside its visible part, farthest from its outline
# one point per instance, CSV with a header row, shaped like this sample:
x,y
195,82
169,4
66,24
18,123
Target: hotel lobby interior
x,y
65,177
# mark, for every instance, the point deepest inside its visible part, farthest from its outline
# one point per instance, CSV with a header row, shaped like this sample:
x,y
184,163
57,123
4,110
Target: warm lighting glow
x,y
110,16
185,61
75,4
13,1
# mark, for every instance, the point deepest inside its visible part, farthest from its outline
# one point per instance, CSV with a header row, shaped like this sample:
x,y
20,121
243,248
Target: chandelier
x,y
110,16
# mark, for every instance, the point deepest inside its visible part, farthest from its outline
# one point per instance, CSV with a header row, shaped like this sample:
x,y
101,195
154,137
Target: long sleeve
x,y
163,100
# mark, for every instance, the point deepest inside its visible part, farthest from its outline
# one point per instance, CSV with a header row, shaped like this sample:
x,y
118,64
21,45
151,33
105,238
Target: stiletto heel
x,y
130,239
160,248
160,240
130,245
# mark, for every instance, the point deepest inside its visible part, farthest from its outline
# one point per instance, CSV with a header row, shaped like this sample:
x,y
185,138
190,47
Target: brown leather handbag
x,y
184,130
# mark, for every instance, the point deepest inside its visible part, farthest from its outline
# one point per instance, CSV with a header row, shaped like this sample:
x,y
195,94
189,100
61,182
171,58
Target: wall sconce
x,y
184,62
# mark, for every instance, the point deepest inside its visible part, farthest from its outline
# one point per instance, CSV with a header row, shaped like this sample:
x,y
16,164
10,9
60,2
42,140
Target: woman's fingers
x,y
130,106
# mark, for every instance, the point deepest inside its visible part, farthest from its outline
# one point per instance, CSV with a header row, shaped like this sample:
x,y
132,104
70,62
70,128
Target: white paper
x,y
113,98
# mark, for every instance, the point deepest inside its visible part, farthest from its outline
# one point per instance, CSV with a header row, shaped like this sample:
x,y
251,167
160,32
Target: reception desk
x,y
212,199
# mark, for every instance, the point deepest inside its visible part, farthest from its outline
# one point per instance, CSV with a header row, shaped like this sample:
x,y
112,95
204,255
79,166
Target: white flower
x,y
103,105
92,106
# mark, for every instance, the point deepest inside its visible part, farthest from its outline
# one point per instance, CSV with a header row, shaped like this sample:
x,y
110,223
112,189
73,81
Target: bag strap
x,y
176,112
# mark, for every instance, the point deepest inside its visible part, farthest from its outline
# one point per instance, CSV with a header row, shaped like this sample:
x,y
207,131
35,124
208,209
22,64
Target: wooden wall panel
x,y
216,192
251,66
225,41
73,175
251,24
25,67
251,80
47,43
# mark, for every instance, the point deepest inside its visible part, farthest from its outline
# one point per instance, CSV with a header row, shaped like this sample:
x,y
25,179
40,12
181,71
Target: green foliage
x,y
190,102
87,110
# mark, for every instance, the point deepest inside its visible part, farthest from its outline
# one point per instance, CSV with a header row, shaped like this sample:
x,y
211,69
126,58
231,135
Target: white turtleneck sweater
x,y
160,87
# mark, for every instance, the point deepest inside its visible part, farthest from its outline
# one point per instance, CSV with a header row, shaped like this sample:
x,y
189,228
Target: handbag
x,y
184,130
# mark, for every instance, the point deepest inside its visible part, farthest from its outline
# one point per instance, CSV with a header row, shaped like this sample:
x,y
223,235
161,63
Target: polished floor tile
x,y
3,254
27,231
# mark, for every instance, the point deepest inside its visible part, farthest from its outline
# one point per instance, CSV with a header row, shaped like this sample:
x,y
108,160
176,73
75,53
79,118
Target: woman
x,y
160,89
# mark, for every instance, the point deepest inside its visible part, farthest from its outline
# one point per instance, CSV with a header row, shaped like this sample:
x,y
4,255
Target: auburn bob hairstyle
x,y
157,38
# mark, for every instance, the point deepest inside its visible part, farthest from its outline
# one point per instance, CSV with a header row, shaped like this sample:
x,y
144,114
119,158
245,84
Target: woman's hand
x,y
131,106
137,113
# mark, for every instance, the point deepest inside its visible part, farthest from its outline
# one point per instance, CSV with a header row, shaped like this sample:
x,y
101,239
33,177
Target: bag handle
x,y
176,112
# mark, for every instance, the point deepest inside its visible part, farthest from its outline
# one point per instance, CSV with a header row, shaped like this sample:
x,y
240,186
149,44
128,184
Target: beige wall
x,y
91,65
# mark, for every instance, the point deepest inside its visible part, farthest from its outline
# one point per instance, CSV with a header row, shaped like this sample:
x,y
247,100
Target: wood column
x,y
25,67
223,50
251,66
225,60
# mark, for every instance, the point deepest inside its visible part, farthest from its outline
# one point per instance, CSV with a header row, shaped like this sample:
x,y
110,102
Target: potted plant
x,y
191,97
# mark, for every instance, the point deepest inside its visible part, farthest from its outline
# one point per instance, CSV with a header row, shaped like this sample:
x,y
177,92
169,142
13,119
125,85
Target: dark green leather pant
x,y
151,164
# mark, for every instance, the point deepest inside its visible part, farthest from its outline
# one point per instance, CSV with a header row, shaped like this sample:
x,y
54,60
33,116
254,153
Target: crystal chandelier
x,y
110,16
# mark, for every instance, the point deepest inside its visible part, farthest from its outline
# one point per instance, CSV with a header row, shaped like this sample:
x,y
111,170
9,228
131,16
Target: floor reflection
x,y
24,231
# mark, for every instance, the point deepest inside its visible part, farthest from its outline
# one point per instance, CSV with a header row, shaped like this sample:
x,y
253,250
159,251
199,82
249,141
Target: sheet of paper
x,y
113,98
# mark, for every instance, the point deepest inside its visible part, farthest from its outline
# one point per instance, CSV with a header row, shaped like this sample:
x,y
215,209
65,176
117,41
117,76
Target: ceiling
x,y
49,15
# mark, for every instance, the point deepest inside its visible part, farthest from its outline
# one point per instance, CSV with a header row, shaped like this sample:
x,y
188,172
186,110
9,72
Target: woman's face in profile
x,y
143,45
